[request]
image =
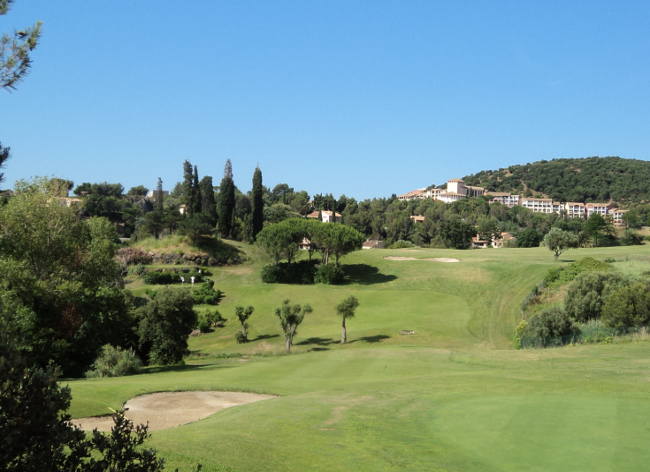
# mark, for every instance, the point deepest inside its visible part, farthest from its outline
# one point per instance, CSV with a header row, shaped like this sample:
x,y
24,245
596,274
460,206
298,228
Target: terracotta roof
x,y
497,194
530,199
456,180
417,217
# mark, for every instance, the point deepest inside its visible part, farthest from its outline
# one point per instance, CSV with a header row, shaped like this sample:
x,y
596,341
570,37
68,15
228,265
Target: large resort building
x,y
456,190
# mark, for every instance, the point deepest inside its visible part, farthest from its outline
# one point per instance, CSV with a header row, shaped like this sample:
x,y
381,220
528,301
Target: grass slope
x,y
452,397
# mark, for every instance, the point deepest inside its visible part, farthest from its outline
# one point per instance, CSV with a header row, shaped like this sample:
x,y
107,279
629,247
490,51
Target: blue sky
x,y
365,98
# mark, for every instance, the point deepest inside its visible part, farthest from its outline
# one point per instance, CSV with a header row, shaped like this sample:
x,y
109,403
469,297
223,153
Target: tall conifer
x,y
257,219
226,206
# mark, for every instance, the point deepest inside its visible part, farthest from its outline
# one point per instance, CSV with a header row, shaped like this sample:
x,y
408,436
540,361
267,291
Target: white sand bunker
x,y
168,409
430,259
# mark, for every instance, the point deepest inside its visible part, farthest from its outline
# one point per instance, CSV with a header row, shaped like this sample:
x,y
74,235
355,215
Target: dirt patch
x,y
168,409
430,259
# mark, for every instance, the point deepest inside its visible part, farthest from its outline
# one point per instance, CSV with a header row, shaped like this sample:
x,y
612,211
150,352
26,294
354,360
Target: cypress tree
x,y
188,180
226,208
257,219
196,194
208,206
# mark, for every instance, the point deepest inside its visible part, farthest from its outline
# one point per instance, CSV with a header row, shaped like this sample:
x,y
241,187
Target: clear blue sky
x,y
363,98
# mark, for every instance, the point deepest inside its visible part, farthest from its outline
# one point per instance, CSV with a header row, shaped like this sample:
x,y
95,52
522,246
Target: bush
x,y
401,244
167,277
139,270
114,362
289,273
205,294
628,307
585,297
330,274
552,327
210,320
562,275
133,255
595,331
631,238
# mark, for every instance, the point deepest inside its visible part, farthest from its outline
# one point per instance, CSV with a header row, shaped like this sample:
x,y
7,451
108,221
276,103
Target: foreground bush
x,y
289,273
586,295
551,327
628,307
115,362
330,274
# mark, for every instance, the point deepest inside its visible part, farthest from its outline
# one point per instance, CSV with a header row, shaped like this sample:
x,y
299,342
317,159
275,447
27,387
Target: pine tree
x,y
4,155
195,202
208,206
188,179
257,220
226,202
15,50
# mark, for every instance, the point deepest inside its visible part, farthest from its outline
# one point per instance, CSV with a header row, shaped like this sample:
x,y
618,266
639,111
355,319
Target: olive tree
x,y
242,315
558,241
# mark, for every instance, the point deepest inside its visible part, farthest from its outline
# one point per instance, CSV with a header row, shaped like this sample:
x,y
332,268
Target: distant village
x,y
457,190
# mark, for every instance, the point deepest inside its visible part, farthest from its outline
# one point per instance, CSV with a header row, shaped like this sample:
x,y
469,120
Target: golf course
x,y
428,380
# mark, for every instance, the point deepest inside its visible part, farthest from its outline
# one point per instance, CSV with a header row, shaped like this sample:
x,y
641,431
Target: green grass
x,y
452,397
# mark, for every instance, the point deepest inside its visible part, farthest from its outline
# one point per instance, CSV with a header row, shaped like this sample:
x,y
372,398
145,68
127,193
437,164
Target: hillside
x,y
588,179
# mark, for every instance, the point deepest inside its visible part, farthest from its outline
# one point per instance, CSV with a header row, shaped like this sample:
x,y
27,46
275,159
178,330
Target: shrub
x,y
627,307
133,255
401,244
631,238
595,331
562,275
114,362
551,327
205,294
330,274
289,273
139,270
167,277
210,320
585,297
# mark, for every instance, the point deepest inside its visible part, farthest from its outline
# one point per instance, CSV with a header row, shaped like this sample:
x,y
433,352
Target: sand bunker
x,y
430,259
168,409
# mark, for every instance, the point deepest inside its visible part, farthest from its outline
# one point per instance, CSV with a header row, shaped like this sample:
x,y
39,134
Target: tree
x,y
529,237
257,220
197,198
242,315
551,327
226,202
455,233
15,50
558,241
159,196
187,186
138,191
290,317
628,307
4,156
38,436
165,323
597,228
336,239
345,310
586,295
280,240
208,205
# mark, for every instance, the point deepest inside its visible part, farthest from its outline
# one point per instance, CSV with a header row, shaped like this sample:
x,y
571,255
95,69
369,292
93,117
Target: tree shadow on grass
x,y
365,274
377,338
316,340
314,349
172,368
264,336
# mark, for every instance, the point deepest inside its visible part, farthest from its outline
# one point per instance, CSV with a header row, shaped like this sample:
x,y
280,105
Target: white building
x,y
456,190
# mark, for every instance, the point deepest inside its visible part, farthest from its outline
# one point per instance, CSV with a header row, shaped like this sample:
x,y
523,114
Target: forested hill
x,y
590,179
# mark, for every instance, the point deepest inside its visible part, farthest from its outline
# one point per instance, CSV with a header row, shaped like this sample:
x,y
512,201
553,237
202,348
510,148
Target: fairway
x,y
452,396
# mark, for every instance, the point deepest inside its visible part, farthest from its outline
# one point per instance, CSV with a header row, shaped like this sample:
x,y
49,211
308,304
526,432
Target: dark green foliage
x,y
108,201
196,227
114,362
562,275
529,237
401,244
173,276
600,231
585,297
627,307
226,202
346,310
456,234
188,192
196,193
291,316
289,273
630,238
595,331
242,315
552,327
330,274
210,320
205,294
593,179
558,241
257,217
165,323
208,205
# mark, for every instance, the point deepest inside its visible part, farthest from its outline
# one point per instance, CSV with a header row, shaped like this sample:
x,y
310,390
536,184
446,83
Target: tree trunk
x,y
344,333
287,345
